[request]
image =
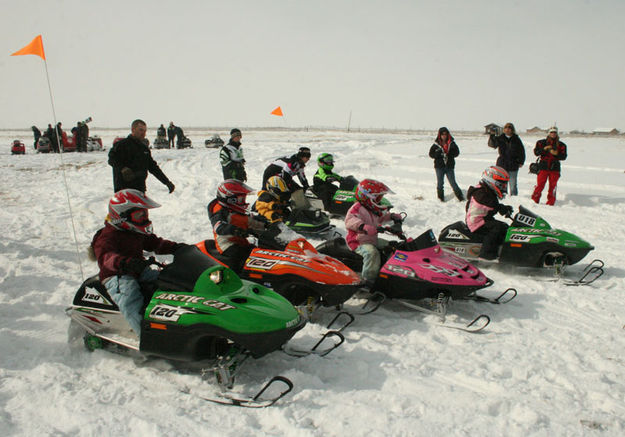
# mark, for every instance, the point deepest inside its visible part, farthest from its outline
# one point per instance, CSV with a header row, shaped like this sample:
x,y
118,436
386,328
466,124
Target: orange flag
x,y
277,111
34,48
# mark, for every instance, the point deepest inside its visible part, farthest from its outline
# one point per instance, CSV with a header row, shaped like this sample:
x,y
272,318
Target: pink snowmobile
x,y
419,270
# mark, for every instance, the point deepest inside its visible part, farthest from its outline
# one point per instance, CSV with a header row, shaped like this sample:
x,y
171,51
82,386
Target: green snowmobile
x,y
198,313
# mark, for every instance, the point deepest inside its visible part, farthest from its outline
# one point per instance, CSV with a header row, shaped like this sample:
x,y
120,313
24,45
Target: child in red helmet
x,y
118,247
231,222
362,221
483,204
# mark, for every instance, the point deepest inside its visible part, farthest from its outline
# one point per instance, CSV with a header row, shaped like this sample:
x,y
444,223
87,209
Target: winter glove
x,y
256,225
276,206
127,174
396,217
171,187
135,265
239,232
179,246
505,210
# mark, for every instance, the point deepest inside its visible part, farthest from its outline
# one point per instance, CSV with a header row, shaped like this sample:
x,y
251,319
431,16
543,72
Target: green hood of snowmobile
x,y
542,232
222,299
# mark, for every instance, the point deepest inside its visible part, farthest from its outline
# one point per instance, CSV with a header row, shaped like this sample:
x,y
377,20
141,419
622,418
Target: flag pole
x,y
35,47
58,142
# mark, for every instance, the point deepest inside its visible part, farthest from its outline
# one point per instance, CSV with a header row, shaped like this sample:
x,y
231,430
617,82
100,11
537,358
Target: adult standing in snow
x,y
131,161
83,131
444,152
179,136
511,154
171,134
551,151
37,134
231,158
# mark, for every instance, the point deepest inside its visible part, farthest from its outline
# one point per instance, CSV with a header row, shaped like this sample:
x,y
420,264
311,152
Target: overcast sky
x,y
394,64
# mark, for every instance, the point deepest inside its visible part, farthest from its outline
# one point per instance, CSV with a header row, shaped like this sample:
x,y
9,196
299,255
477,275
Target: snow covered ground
x,y
552,362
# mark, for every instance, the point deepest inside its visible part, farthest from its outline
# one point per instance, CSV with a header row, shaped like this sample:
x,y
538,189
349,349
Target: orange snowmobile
x,y
298,272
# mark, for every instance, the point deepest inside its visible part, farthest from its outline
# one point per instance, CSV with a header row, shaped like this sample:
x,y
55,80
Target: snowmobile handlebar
x,y
394,229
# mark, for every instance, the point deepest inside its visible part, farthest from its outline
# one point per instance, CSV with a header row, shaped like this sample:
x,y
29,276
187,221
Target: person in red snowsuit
x,y
551,151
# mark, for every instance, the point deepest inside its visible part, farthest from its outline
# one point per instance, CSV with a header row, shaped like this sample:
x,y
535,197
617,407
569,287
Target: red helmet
x,y
232,193
497,179
370,192
128,210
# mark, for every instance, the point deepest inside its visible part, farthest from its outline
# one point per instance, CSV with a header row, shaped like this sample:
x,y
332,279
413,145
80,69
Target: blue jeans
x,y
126,293
512,185
451,177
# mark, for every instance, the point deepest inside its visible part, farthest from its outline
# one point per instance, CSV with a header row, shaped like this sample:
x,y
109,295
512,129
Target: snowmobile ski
x,y
350,319
592,272
256,401
504,297
295,352
441,303
476,325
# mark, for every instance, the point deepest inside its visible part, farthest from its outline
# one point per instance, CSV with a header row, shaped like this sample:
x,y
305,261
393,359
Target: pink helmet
x,y
370,192
232,194
128,210
497,179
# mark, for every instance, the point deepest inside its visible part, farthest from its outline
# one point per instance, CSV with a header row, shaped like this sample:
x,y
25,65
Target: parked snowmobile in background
x,y
197,310
307,220
342,200
161,142
183,143
44,145
530,242
294,269
94,144
18,148
214,142
419,270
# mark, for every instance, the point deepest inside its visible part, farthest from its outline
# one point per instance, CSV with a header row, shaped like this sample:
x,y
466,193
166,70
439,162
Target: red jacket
x,y
113,247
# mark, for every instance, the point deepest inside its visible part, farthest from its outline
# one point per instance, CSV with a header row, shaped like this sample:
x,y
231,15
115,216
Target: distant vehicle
x,y
183,143
44,145
214,142
161,142
18,148
94,144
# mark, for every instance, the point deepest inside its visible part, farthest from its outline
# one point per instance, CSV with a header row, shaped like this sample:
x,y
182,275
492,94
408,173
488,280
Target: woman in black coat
x,y
444,152
511,154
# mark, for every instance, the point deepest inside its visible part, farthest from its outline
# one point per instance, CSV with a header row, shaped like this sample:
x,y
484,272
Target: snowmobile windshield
x,y
423,241
182,274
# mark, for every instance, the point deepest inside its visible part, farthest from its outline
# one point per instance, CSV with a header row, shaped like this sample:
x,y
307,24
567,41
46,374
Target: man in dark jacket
x,y
83,136
444,152
551,151
511,154
37,134
231,158
131,160
171,134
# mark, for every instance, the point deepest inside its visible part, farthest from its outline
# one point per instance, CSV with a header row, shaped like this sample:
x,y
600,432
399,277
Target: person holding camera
x,y
444,152
550,151
511,153
131,161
